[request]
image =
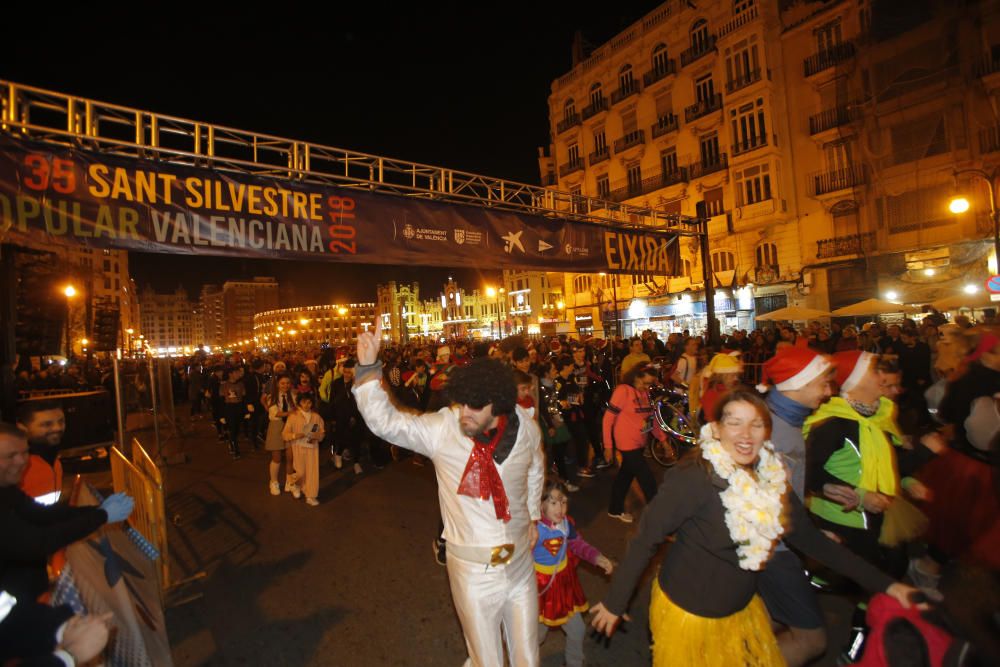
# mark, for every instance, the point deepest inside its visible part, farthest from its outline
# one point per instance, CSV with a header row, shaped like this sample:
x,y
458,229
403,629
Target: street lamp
x,y
70,292
961,204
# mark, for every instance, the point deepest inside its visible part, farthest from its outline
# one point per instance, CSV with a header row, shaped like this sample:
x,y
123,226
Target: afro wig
x,y
482,382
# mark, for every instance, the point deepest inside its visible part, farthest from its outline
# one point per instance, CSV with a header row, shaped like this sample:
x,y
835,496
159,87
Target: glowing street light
x,y
70,291
958,205
971,289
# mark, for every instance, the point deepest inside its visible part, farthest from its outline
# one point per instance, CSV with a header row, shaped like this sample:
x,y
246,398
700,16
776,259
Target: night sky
x,y
461,85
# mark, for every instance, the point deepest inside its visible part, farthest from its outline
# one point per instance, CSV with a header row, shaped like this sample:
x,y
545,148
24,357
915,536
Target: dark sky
x,y
462,85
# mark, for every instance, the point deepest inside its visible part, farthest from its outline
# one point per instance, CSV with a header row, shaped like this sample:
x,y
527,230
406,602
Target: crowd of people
x,y
868,451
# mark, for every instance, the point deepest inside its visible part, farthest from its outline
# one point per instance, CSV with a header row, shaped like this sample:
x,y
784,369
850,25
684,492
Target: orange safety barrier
x,y
141,479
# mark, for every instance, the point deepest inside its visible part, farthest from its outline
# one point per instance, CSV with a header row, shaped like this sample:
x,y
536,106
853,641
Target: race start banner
x,y
52,193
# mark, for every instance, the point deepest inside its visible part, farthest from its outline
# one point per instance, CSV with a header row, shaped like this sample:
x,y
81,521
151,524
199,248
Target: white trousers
x,y
495,603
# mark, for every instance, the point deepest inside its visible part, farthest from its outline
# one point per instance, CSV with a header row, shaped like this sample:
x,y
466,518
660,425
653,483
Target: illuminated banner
x,y
57,194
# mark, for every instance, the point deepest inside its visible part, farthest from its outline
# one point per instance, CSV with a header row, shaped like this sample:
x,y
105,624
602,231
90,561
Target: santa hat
x,y
793,368
851,367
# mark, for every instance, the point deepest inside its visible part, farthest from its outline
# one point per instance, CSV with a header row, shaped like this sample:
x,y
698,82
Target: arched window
x,y
569,109
581,284
596,94
661,61
767,255
626,79
699,36
723,260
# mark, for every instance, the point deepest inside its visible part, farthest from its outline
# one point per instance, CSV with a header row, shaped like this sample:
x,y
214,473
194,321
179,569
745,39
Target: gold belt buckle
x,y
502,554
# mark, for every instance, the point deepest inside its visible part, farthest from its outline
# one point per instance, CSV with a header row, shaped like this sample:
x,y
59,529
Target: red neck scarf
x,y
481,478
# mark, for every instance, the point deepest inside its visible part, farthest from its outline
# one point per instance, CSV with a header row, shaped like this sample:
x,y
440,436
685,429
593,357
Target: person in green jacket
x,y
852,475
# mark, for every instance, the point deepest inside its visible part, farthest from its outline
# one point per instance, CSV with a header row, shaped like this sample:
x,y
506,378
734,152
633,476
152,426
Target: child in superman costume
x,y
558,551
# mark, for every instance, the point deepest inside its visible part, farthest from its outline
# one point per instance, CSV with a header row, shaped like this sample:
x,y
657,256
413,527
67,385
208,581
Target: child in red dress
x,y
558,551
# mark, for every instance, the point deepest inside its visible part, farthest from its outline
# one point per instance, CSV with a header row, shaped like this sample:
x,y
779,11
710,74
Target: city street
x,y
352,581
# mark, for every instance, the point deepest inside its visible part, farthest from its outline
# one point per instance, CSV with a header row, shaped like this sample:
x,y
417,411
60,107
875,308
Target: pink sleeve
x,y
583,550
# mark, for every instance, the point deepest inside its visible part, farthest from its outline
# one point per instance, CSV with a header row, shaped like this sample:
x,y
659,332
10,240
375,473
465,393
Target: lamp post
x,y
70,292
496,295
961,204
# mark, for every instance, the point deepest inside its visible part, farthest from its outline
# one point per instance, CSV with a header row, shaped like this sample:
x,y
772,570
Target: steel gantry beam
x,y
114,129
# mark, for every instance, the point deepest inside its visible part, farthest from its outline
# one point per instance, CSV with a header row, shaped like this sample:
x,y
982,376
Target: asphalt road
x,y
352,581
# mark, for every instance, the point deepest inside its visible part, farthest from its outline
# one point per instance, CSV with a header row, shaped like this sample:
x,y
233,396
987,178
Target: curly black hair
x,y
482,382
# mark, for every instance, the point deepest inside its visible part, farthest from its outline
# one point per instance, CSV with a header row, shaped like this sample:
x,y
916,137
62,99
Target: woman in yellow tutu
x,y
727,507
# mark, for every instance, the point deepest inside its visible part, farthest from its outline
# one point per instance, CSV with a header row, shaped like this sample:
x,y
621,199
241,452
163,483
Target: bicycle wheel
x,y
665,453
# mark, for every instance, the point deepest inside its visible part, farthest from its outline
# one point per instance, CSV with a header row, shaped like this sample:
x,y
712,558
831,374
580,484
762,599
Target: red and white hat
x,y
794,367
851,367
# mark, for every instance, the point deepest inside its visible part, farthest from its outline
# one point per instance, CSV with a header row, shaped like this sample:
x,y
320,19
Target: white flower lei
x,y
753,506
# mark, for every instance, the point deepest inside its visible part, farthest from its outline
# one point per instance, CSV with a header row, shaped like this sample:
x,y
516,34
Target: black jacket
x,y
30,533
701,571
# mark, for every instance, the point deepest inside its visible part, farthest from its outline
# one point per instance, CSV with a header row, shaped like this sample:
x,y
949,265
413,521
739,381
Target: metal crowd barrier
x,y
141,479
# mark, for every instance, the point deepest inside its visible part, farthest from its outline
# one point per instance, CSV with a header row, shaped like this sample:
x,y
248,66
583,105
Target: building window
x,y
749,129
828,37
740,6
723,260
668,161
569,110
685,267
753,184
600,142
629,124
603,186
633,174
596,95
709,149
704,89
699,36
767,255
626,79
919,138
712,204
581,284
573,150
661,61
575,203
742,64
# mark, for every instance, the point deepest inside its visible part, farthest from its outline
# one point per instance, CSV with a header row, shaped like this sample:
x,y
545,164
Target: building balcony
x,y
749,144
598,156
839,246
826,182
989,139
702,108
697,51
665,124
567,122
594,108
570,167
659,72
738,21
628,189
625,91
633,138
828,58
709,166
742,80
833,118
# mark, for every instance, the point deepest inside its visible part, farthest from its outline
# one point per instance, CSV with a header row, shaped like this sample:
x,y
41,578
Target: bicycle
x,y
670,409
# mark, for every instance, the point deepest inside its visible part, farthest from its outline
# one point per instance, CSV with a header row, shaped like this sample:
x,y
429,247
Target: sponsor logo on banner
x,y
468,236
543,246
430,234
512,240
408,231
577,250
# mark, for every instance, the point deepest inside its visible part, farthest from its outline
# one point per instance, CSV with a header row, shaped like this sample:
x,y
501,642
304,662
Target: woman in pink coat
x,y
628,423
